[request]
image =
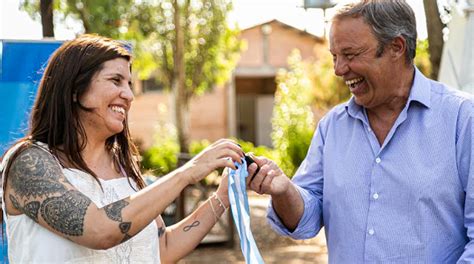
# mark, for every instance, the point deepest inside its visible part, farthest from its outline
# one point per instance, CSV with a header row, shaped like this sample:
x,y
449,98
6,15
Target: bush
x,y
162,157
292,120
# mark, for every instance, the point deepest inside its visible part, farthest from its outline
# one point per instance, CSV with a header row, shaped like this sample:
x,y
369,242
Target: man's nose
x,y
340,66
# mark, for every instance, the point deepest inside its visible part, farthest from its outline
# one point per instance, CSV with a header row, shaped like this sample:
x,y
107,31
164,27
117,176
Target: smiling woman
x,y
73,191
106,103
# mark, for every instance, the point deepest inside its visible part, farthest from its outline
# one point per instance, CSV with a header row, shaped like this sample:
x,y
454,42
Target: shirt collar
x,y
420,91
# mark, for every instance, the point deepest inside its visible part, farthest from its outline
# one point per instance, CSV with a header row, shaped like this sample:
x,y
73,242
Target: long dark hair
x,y
54,117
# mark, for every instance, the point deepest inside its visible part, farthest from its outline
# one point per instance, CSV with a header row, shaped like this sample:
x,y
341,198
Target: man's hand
x,y
265,177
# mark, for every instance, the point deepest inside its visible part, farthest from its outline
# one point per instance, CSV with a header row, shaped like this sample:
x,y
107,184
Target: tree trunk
x,y
46,11
435,35
180,102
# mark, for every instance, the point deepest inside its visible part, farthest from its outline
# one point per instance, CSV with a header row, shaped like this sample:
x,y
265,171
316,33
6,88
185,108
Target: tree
x,y
435,35
186,44
209,50
45,8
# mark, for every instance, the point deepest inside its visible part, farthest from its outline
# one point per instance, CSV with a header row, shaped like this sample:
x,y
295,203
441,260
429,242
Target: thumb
x,y
260,160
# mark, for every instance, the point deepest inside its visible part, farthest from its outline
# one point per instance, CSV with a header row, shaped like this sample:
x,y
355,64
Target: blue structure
x,y
21,68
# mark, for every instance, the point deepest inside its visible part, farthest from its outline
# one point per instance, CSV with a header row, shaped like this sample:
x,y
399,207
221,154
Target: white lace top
x,y
28,242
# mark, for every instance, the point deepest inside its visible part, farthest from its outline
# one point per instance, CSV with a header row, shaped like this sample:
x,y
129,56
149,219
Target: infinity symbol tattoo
x,y
188,227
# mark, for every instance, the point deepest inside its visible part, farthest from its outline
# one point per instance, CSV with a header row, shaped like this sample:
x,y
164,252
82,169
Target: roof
x,y
284,25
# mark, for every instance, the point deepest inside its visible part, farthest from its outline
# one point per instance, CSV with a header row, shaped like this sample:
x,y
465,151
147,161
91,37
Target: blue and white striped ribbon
x,y
239,205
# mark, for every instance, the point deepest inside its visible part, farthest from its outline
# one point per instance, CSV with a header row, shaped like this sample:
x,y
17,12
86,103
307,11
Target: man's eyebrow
x,y
348,49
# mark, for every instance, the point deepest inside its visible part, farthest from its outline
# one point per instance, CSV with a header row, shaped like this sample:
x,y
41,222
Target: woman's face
x,y
109,95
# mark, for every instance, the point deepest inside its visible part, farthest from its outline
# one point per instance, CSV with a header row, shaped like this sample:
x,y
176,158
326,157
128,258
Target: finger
x,y
252,169
258,178
229,163
260,160
265,187
227,143
227,153
230,148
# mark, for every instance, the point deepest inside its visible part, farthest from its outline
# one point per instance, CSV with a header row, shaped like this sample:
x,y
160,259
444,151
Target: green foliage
x,y
422,58
161,158
197,146
292,120
104,17
249,147
211,48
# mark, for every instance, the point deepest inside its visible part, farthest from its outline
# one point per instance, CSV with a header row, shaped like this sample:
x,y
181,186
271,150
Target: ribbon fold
x,y
241,213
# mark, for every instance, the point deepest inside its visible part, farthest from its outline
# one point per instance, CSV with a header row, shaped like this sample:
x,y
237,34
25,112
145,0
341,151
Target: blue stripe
x,y
241,213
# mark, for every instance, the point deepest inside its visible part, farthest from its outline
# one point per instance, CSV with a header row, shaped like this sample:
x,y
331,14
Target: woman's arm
x,y
180,239
37,188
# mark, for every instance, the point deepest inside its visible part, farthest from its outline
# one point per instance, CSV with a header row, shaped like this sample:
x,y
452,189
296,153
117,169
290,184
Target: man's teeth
x,y
354,81
118,109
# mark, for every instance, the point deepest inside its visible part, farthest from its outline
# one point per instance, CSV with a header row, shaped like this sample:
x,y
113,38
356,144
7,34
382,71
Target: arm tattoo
x,y
66,213
35,173
39,187
188,227
114,212
161,230
31,209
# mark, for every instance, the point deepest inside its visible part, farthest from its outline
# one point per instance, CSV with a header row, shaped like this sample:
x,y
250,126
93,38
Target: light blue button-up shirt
x,y
410,200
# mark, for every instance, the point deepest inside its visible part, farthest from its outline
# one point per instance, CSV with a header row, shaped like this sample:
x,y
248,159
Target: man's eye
x,y
349,56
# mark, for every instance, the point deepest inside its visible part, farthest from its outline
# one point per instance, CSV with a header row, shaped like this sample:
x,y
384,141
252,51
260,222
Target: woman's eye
x,y
116,81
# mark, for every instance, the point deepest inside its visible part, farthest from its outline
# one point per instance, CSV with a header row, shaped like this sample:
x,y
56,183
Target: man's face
x,y
354,50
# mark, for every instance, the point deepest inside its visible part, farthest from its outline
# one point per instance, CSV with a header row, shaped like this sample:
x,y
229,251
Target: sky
x,y
16,24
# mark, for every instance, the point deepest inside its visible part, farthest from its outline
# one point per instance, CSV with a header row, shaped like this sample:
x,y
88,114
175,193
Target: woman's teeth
x,y
118,109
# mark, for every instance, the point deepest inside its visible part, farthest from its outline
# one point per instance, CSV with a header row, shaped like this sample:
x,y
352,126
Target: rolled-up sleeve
x,y
309,183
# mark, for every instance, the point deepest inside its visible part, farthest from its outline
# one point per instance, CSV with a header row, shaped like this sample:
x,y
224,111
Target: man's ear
x,y
398,48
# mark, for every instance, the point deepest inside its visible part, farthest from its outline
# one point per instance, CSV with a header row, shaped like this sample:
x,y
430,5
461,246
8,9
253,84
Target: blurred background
x,y
257,71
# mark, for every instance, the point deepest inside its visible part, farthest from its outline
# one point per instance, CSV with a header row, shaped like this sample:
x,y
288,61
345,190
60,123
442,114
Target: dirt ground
x,y
273,247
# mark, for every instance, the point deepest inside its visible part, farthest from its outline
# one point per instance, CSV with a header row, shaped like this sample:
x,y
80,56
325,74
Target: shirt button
x,y
375,196
371,231
369,129
378,160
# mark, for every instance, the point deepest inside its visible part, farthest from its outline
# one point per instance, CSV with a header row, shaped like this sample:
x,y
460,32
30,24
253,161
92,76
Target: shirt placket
x,y
375,184
371,227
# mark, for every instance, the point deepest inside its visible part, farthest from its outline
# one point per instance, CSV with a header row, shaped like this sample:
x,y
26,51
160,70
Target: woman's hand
x,y
222,153
222,190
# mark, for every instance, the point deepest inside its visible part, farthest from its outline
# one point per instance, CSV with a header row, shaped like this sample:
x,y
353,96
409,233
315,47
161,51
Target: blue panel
x,y
25,61
21,67
15,111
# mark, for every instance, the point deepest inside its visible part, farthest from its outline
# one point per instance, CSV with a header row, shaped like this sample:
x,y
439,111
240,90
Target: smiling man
x,y
389,173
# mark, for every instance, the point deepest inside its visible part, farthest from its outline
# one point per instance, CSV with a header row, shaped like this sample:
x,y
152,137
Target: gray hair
x,y
388,19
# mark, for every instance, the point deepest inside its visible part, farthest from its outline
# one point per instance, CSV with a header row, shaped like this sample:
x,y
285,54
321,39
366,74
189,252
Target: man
x,y
389,173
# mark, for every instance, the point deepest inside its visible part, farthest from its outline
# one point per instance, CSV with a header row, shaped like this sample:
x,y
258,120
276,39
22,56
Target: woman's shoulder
x,y
28,154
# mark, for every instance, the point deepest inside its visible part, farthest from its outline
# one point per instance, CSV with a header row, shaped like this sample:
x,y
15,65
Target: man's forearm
x,y
289,207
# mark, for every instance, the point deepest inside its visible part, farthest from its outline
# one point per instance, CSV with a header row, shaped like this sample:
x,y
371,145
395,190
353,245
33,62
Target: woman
x,y
73,192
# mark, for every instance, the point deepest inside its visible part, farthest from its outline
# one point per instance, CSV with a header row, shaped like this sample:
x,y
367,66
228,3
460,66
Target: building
x,y
243,107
